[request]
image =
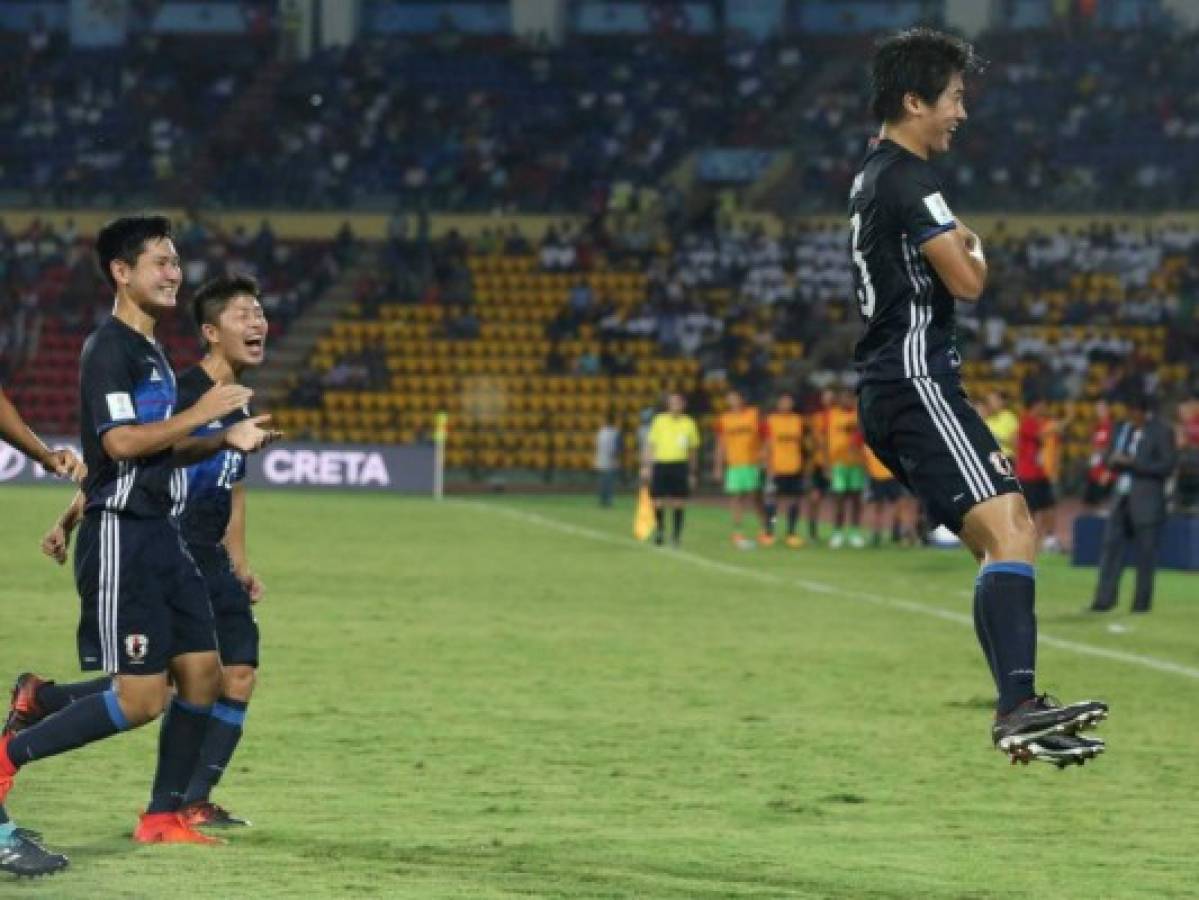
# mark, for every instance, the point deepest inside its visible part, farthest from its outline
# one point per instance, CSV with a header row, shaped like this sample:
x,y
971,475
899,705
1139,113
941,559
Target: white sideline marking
x,y
820,587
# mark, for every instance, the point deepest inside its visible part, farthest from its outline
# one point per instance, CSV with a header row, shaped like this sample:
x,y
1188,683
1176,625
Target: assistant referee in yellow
x,y
670,463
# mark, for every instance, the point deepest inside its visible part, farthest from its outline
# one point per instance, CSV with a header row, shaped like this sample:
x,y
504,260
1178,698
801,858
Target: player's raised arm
x,y
957,255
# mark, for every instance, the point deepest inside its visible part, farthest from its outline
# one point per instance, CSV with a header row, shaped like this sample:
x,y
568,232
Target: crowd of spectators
x,y
1060,303
49,279
125,125
494,123
1086,121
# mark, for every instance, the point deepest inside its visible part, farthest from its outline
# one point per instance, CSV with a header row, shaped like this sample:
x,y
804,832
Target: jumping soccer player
x,y
145,615
911,258
20,852
230,318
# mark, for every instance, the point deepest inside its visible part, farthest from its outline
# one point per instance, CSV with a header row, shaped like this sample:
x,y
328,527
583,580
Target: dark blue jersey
x,y
125,379
210,482
896,205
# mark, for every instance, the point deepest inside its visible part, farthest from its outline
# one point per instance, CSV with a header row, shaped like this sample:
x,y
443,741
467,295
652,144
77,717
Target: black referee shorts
x,y
670,481
1039,494
925,431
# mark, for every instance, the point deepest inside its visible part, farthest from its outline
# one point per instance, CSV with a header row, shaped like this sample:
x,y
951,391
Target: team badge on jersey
x,y
136,647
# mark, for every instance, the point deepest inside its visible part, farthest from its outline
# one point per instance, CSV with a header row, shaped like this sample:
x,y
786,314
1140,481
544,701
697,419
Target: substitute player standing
x,y
911,258
782,449
737,464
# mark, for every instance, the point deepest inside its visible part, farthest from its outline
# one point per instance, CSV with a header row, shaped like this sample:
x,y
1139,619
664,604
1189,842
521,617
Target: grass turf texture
x,y
463,701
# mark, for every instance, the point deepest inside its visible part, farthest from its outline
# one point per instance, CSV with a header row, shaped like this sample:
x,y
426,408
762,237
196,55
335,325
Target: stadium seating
x,y
505,410
54,272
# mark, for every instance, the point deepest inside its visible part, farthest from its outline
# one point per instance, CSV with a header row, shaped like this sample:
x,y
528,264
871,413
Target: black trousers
x,y
1119,531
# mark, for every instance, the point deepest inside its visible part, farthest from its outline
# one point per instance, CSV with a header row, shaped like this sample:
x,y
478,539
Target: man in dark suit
x,y
1143,456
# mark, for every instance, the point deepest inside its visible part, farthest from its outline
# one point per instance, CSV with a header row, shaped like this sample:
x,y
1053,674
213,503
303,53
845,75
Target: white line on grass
x,y
820,587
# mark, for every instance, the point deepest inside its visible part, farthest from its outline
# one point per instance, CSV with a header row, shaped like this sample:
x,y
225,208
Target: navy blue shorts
x,y
926,432
236,627
142,600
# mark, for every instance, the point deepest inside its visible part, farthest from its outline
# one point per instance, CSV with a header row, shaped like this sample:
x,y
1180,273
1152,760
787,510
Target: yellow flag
x,y
643,519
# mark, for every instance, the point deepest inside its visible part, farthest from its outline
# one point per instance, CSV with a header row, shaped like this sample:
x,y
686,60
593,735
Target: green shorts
x,y
848,479
742,479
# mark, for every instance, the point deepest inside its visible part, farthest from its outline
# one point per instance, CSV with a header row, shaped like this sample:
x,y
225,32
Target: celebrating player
x,y
20,853
911,258
230,318
145,614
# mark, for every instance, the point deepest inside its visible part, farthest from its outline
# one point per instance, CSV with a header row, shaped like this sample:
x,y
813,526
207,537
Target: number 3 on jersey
x,y
865,289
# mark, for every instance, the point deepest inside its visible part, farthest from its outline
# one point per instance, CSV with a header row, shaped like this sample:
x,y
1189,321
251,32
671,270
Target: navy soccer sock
x,y
980,631
220,740
52,696
179,743
792,519
659,518
1007,593
678,524
91,718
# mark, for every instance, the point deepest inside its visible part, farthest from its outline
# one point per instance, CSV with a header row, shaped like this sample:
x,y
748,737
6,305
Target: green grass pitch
x,y
508,697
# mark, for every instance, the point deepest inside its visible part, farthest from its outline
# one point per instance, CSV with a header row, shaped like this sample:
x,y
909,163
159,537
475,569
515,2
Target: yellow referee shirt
x,y
1004,426
672,438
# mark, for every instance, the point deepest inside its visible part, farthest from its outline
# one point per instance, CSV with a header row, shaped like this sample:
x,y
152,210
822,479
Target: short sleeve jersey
x,y
205,517
844,440
126,379
785,431
672,438
741,433
895,206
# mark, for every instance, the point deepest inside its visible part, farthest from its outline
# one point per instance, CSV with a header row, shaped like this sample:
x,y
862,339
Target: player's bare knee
x,y
141,702
239,682
198,678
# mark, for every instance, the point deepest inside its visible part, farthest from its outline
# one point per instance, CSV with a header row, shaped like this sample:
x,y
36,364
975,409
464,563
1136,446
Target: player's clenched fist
x,y
65,464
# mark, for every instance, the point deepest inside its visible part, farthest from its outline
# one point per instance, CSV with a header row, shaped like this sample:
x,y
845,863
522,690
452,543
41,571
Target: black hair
x,y
214,295
125,239
918,61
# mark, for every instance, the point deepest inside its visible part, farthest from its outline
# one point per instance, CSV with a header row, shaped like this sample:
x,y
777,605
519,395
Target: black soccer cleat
x,y
1042,717
26,858
1061,750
